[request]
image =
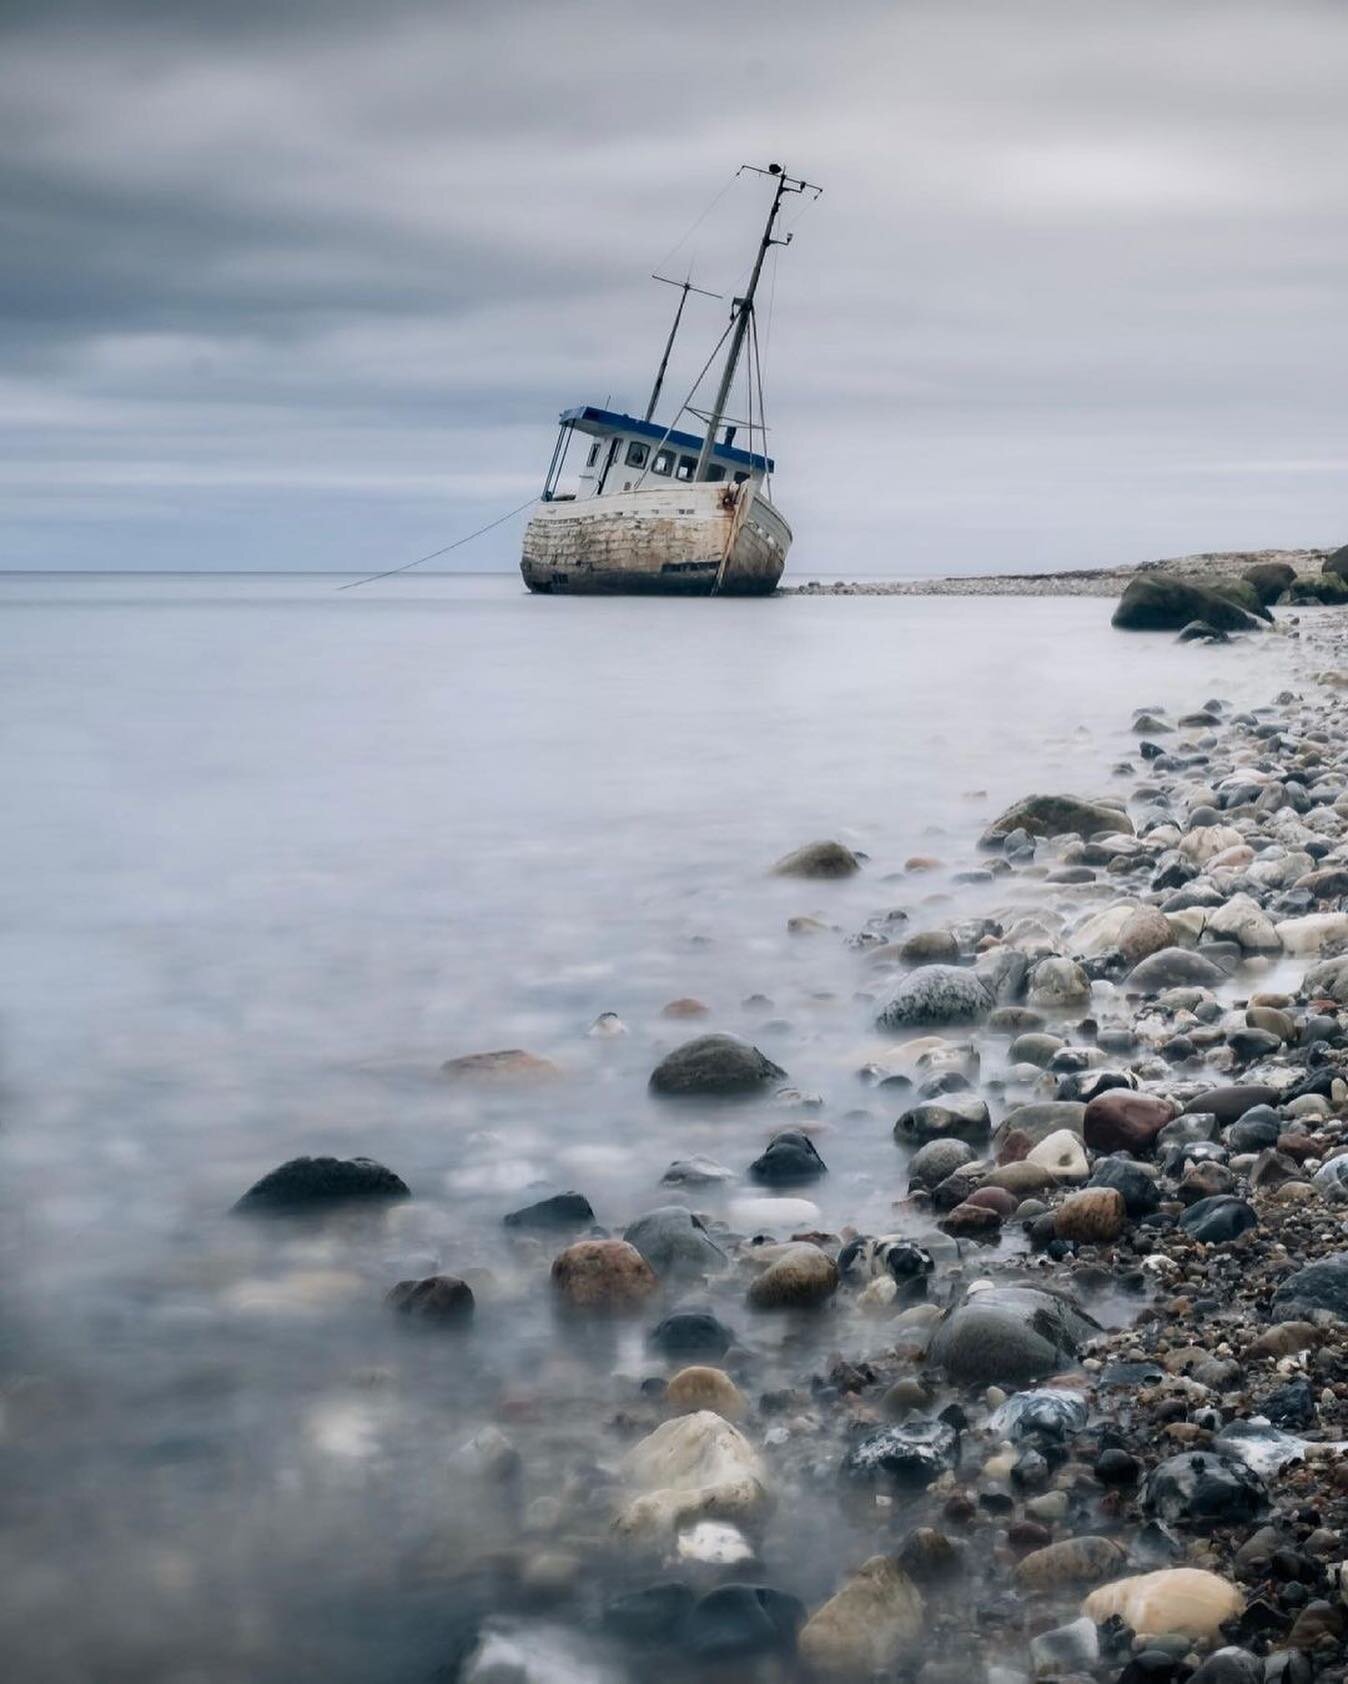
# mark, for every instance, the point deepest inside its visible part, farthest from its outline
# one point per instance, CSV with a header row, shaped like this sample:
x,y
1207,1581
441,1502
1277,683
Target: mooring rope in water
x,y
500,520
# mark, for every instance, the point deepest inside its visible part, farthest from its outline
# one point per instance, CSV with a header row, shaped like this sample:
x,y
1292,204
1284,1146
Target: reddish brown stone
x,y
1120,1120
602,1275
1015,1147
1092,1217
972,1222
995,1198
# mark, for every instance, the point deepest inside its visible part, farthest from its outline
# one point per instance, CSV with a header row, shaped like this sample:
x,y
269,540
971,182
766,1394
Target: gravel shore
x,y
1104,581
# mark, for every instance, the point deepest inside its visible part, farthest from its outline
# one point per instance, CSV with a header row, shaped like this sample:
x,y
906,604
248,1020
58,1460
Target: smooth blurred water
x,y
272,853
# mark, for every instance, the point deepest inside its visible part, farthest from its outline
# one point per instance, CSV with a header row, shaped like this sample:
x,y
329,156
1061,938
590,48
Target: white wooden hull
x,y
671,540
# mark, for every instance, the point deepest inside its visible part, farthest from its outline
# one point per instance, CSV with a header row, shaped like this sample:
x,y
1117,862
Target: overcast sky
x,y
305,285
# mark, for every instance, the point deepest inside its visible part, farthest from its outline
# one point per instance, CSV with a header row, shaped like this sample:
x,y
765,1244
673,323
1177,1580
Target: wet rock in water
x,y
1186,1600
1071,1561
790,1158
1065,1651
929,947
1145,931
713,1065
1120,1120
957,1116
685,1007
1269,579
697,1171
803,1278
738,1622
1139,1191
1048,1412
608,1026
908,1457
562,1210
1034,1047
1319,1286
936,995
1230,1666
649,1615
1162,602
443,1299
971,1221
602,1275
1228,1105
1243,920
867,1626
1036,1122
691,1468
1092,1217
901,1260
1217,1220
1057,815
1009,1334
313,1184
691,1333
1255,1131
1062,1155
1055,984
702,1387
818,859
510,1065
1174,967
940,1158
1201,1489
674,1242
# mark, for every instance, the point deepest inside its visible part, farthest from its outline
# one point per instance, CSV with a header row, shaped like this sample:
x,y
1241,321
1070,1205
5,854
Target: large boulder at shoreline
x,y
1009,1334
1327,589
1162,602
1057,815
936,995
1269,579
713,1065
818,859
313,1184
1337,563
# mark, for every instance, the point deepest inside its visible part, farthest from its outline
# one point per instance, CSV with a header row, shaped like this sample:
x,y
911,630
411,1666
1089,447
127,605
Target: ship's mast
x,y
742,308
685,287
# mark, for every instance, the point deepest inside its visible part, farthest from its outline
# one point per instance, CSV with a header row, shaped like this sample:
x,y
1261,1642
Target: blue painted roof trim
x,y
589,419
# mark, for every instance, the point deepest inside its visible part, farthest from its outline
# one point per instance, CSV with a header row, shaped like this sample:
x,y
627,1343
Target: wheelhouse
x,y
625,453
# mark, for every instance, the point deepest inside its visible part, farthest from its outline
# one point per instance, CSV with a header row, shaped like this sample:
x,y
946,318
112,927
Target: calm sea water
x,y
272,853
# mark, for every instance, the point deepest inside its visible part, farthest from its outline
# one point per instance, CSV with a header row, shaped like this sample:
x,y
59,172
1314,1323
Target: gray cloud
x,y
306,286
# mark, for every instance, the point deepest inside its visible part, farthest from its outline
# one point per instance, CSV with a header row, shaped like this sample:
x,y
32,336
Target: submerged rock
x,y
956,1116
561,1210
694,1467
602,1275
673,1241
439,1298
790,1158
511,1064
909,1456
1174,967
703,1387
866,1626
1071,1561
1057,815
739,1622
691,1333
802,1278
936,995
713,1065
1202,1489
311,1184
818,859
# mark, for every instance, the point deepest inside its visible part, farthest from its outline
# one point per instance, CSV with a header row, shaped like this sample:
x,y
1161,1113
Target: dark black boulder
x,y
908,1457
1319,1286
312,1184
649,1615
562,1210
1200,1489
734,1622
1216,1220
443,1299
691,1333
790,1158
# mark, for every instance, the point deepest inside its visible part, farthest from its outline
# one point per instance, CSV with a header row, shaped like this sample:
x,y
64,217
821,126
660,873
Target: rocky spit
x,y
1203,569
1081,1413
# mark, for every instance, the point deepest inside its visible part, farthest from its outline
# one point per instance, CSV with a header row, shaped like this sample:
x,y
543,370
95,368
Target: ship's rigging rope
x,y
692,393
500,520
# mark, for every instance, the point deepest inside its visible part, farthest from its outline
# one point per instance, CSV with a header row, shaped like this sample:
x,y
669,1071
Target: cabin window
x,y
593,457
637,454
664,461
740,478
687,467
715,475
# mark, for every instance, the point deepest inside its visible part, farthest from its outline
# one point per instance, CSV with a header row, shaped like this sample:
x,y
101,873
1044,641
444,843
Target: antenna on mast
x,y
741,309
685,287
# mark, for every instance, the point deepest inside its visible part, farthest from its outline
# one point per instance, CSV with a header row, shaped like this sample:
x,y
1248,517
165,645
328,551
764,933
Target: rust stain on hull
x,y
687,540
